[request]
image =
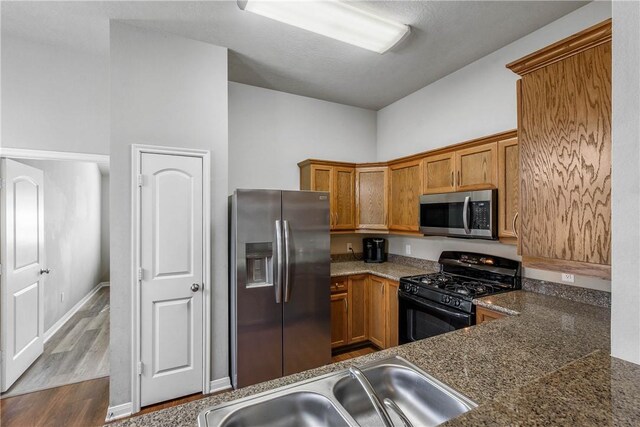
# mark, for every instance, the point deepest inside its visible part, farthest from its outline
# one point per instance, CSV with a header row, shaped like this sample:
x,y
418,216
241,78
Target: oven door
x,y
471,214
419,318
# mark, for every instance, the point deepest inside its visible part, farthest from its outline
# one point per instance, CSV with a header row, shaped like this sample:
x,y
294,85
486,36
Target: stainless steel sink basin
x,y
424,400
337,399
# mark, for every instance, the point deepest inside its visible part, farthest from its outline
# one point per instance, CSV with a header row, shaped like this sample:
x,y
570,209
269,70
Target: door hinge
x,y
140,180
139,273
140,368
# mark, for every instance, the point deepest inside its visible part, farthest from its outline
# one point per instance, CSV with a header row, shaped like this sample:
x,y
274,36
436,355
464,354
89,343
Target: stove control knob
x,y
446,299
457,303
414,289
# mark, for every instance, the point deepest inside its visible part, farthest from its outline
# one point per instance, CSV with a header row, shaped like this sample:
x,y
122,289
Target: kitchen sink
x,y
424,400
338,399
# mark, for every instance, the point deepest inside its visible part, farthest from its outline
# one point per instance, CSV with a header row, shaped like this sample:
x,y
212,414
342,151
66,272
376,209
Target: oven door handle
x,y
432,306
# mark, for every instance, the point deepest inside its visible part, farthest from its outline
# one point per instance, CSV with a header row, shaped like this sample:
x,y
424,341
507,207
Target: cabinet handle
x,y
458,178
452,178
346,305
513,224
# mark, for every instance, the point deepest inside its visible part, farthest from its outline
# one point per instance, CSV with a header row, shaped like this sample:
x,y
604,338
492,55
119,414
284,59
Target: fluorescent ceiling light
x,y
332,18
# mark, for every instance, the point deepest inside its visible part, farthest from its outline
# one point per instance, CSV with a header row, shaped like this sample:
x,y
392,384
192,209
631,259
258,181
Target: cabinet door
x,y
477,168
439,173
565,164
358,309
372,198
339,327
392,314
508,187
405,190
377,318
486,315
344,198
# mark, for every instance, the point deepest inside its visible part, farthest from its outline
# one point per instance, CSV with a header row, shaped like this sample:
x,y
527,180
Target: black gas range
x,y
432,304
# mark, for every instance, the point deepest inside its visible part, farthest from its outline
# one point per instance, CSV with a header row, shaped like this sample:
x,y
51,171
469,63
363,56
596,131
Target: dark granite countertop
x,y
388,270
546,364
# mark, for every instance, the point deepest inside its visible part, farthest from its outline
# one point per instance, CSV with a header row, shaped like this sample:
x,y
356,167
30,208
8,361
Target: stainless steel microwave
x,y
471,214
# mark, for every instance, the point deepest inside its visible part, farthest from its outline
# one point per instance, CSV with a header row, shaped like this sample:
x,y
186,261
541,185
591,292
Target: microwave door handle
x,y
277,274
465,215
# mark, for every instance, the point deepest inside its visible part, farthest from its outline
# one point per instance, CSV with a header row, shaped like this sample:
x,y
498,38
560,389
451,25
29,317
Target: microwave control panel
x,y
480,215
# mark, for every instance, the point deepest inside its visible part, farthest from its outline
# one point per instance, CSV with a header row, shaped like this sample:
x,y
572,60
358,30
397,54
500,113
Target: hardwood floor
x,y
341,357
81,404
79,351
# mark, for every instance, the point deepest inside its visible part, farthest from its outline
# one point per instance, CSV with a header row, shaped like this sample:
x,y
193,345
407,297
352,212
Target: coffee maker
x,y
374,249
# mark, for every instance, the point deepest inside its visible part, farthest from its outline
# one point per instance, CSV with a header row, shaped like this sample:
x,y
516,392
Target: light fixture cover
x,y
336,19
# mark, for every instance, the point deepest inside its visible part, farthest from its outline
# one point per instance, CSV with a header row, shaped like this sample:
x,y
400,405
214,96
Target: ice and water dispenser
x,y
259,261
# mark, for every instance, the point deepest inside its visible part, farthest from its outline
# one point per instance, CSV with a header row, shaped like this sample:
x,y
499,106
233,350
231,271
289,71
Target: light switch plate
x,y
569,278
349,247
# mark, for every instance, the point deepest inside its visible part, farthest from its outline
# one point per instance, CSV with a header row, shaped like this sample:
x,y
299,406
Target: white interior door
x,y
171,291
22,257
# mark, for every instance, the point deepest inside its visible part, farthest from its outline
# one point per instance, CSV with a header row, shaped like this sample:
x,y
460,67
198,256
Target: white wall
x,y
72,233
477,100
54,98
167,91
270,132
625,301
105,240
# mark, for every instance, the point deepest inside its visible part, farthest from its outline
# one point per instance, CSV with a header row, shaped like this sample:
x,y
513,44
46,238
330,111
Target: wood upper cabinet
x,y
477,168
343,195
486,315
405,190
565,154
339,320
338,180
372,198
357,309
391,311
509,188
439,173
377,315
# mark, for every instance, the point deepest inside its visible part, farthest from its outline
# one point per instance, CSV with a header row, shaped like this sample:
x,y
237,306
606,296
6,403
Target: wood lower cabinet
x,y
391,313
405,188
357,309
477,168
339,320
377,315
486,315
509,185
372,198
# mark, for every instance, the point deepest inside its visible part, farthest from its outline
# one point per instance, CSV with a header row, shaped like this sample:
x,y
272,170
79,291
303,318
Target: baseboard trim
x,y
220,384
119,411
64,319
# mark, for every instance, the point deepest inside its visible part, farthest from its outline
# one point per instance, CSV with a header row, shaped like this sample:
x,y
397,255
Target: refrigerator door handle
x,y
287,263
277,271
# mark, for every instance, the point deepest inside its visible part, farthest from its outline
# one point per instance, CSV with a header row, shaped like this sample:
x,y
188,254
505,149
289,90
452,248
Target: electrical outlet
x,y
569,278
349,247
61,296
407,249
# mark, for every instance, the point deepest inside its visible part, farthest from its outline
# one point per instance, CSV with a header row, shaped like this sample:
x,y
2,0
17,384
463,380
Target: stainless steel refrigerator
x,y
280,283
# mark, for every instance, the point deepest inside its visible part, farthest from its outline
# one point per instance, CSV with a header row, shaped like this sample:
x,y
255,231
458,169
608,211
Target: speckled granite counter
x,y
548,364
388,270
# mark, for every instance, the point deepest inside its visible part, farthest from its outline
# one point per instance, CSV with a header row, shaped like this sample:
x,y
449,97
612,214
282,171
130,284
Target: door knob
x,y
195,287
45,271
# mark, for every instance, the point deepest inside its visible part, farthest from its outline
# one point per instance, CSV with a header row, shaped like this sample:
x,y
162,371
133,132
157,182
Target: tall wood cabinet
x,y
339,180
405,189
509,185
372,198
565,154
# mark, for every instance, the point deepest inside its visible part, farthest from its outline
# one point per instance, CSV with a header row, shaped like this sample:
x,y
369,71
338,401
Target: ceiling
x,y
445,36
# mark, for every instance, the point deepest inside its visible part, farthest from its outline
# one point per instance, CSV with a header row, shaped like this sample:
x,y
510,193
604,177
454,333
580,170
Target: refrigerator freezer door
x,y
307,312
256,316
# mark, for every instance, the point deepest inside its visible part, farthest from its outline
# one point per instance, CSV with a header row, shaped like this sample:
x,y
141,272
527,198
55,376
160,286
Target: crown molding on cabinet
x,y
579,42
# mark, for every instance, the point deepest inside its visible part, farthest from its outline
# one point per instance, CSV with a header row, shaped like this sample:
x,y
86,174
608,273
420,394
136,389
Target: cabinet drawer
x,y
339,284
